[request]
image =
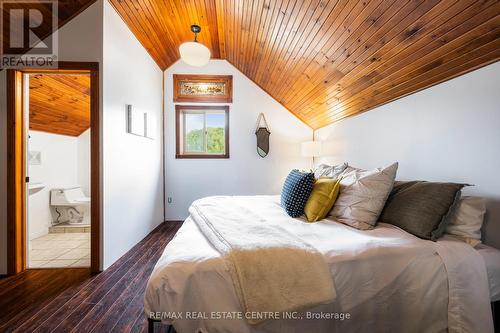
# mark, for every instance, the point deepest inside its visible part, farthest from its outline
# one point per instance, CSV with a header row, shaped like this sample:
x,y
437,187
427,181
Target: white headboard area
x,y
449,132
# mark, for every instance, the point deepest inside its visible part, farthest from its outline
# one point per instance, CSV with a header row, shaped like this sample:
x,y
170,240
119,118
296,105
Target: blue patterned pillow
x,y
296,190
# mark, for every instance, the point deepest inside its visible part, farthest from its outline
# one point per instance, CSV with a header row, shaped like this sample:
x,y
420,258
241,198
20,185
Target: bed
x,y
385,280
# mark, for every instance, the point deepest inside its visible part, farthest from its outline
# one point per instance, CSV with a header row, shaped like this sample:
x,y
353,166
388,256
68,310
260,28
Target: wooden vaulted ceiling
x,y
59,103
325,60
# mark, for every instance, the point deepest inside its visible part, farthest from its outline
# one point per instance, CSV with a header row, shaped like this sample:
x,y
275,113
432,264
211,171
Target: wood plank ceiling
x,y
59,103
325,60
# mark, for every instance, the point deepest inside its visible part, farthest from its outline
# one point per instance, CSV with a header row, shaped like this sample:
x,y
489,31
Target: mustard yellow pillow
x,y
322,198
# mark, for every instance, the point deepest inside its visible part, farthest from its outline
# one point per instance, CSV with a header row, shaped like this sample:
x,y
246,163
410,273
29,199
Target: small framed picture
x,y
203,88
135,121
149,125
34,157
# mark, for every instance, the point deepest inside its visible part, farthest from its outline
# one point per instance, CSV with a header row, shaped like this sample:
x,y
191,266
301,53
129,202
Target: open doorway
x,y
57,111
54,167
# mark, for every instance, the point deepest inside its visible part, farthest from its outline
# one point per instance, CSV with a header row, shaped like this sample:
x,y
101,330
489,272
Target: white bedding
x,y
259,249
385,279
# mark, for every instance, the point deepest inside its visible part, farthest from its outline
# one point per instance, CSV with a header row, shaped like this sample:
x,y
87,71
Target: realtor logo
x,y
29,31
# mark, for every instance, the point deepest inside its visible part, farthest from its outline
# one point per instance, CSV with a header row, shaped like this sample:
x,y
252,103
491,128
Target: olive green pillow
x,y
322,198
421,208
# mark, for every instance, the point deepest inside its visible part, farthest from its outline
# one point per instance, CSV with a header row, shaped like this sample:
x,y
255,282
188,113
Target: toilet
x,y
70,205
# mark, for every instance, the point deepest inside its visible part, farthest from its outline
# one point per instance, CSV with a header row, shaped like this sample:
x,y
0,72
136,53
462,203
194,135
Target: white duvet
x,y
386,280
272,269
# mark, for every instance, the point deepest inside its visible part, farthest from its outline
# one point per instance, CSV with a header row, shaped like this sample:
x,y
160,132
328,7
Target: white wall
x,y
133,182
59,167
83,157
244,172
79,40
449,132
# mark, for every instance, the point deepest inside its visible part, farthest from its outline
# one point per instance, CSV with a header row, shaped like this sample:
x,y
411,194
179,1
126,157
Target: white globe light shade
x,y
194,54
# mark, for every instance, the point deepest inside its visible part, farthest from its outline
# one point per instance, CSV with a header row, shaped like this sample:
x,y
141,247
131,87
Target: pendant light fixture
x,y
194,53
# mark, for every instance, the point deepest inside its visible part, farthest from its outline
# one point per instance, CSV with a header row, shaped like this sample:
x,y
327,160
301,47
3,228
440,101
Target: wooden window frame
x,y
179,109
198,78
16,173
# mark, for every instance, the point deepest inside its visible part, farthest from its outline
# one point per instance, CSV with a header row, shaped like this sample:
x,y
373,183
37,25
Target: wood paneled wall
x,y
325,60
59,103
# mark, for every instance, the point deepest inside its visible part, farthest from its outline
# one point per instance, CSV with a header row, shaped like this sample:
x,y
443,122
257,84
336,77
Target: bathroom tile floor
x,y
60,250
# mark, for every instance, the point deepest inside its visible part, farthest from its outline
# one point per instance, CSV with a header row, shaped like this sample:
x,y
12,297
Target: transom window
x,y
202,131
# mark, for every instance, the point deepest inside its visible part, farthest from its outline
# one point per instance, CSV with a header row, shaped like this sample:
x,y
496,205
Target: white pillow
x,y
467,220
363,195
330,171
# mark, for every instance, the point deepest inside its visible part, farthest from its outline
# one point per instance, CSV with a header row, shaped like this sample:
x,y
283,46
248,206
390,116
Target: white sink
x,y
35,187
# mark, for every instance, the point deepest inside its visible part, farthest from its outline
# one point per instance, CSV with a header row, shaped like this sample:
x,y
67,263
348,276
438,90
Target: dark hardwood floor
x,y
73,300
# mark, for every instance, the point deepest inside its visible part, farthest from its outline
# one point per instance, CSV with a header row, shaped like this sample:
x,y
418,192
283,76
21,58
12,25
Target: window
x,y
202,131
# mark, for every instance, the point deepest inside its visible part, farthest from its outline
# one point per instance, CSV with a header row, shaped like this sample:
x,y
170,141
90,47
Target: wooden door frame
x,y
16,166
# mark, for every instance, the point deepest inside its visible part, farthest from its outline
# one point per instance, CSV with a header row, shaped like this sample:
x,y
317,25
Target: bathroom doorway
x,y
57,112
54,167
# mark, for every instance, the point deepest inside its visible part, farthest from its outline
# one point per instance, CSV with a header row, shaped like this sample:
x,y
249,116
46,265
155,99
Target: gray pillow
x,y
421,208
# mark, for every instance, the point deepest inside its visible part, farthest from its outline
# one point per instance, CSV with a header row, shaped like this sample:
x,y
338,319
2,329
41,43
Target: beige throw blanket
x,y
272,269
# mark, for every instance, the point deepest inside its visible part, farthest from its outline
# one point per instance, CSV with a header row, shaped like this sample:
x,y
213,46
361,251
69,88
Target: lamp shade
x,y
194,54
311,148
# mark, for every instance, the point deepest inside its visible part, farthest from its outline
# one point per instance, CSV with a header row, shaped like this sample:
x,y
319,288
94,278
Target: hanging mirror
x,y
262,132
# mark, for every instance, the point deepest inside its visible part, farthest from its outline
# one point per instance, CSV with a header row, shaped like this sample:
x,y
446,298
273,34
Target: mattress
x,y
491,258
385,279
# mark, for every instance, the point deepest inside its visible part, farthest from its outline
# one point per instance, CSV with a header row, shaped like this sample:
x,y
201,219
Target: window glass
x,y
216,123
194,132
